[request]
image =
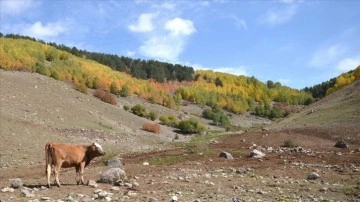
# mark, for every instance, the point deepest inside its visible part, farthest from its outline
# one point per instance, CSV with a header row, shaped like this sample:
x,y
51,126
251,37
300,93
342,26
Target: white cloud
x,y
144,23
284,81
164,47
327,55
232,70
348,64
240,23
11,7
279,16
130,53
167,44
241,70
290,1
179,26
38,30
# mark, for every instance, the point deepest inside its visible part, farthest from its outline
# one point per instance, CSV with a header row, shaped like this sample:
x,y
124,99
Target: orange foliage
x,y
152,127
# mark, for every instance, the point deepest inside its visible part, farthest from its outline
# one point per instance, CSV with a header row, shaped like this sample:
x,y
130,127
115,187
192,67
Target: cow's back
x,y
70,155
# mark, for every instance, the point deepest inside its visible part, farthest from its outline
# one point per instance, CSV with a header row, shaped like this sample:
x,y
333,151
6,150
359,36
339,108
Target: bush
x,y
126,108
125,91
169,121
191,126
217,116
139,110
152,116
105,96
290,144
152,127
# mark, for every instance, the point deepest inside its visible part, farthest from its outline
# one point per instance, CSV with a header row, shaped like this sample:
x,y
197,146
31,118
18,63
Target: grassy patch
x,y
105,126
290,144
165,160
108,156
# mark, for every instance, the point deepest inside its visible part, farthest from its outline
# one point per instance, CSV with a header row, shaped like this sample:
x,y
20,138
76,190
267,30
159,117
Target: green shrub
x,y
139,110
126,108
109,155
152,116
290,144
191,126
169,121
217,116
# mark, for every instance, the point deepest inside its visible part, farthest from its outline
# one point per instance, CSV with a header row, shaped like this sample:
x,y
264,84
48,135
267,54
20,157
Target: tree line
x,y
333,84
142,69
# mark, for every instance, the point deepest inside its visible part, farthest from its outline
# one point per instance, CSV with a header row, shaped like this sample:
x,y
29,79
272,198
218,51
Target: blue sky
x,y
296,42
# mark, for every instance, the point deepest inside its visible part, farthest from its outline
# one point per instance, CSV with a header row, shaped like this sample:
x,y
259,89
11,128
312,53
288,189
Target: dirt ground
x,y
198,173
31,114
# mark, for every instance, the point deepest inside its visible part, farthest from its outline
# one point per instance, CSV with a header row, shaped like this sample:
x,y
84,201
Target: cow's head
x,y
97,149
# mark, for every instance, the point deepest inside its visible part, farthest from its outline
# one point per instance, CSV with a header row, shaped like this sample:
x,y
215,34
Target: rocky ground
x,y
217,166
313,171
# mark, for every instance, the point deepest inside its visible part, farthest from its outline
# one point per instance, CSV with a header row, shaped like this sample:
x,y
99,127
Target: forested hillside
x,y
142,69
328,87
237,94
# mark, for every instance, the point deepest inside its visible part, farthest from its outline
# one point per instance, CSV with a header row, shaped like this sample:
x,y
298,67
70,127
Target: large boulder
x,y
112,175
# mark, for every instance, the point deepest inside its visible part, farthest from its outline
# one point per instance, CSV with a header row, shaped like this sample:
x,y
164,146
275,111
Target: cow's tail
x,y
47,155
48,161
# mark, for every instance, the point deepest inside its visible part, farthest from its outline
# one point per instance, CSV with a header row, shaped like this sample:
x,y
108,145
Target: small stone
x,y
226,155
174,199
114,188
92,183
146,163
152,199
16,183
45,198
256,154
7,189
324,189
313,176
341,144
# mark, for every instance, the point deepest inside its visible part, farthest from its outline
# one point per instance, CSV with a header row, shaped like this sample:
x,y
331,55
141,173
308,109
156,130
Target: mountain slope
x,y
335,116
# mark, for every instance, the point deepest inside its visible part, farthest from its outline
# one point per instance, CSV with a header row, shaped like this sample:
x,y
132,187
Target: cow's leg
x,y
82,168
77,168
57,172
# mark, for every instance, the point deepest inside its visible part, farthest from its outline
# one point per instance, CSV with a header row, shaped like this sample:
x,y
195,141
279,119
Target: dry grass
x,y
105,96
152,127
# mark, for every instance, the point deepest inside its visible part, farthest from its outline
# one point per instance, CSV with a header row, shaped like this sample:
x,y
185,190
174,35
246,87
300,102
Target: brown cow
x,y
65,156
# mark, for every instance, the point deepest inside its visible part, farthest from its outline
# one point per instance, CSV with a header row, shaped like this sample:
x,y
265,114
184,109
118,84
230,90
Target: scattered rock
x,y
15,183
174,199
7,189
313,176
27,192
341,144
152,199
226,155
92,183
45,198
256,154
112,175
234,199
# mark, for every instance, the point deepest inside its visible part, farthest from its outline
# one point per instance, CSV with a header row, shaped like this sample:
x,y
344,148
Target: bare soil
x,y
35,109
